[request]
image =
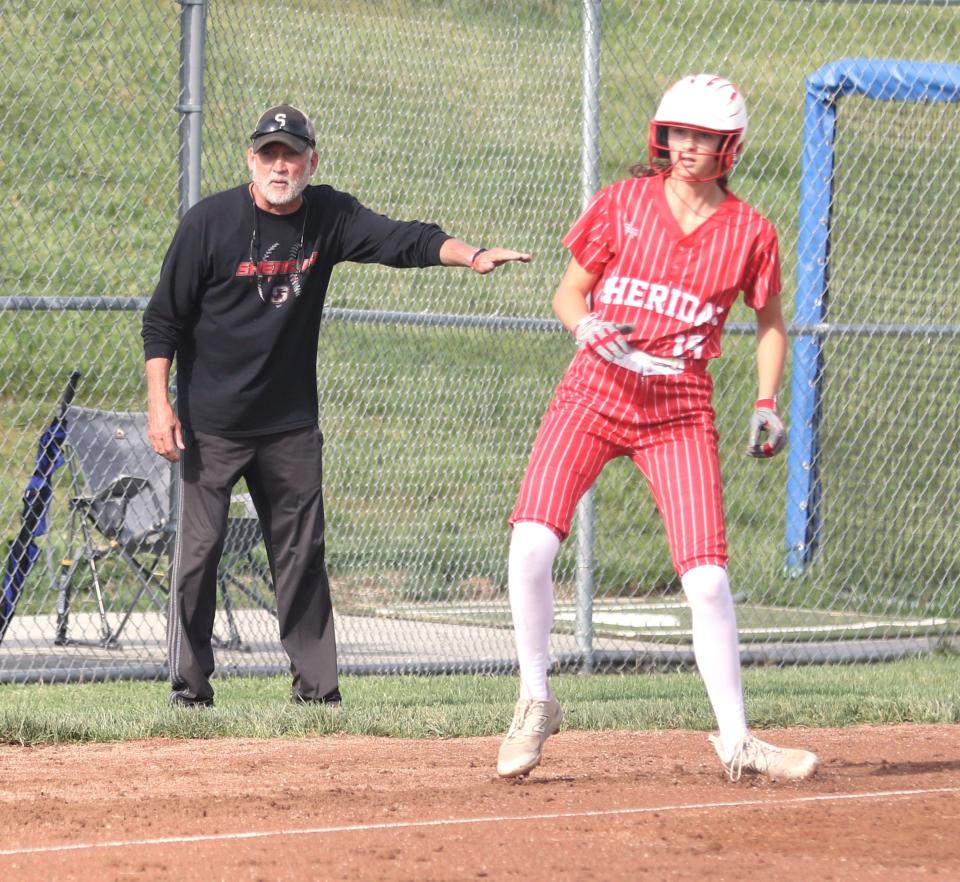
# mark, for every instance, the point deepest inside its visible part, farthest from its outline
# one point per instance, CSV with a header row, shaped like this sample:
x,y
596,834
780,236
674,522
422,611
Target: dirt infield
x,y
603,806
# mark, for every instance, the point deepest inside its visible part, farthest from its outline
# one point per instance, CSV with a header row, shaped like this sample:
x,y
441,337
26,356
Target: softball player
x,y
657,261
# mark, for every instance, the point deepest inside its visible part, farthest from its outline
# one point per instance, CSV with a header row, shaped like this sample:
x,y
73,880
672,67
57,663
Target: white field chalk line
x,y
460,822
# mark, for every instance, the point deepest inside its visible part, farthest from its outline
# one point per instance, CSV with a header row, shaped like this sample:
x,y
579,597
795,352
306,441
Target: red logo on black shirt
x,y
247,268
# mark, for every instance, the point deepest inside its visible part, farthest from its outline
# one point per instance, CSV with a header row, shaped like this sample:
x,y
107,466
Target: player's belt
x,y
651,365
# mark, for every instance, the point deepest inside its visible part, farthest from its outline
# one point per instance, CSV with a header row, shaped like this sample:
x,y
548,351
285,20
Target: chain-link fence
x,y
493,119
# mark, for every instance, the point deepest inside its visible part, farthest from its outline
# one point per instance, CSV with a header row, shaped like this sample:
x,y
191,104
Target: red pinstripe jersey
x,y
676,289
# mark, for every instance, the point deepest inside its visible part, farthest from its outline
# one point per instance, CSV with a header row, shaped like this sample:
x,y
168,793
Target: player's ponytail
x,y
649,168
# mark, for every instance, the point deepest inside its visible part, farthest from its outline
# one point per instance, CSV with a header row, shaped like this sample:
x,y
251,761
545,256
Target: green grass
x,y
919,691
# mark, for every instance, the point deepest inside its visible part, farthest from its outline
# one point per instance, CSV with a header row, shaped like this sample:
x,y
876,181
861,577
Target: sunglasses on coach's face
x,y
271,127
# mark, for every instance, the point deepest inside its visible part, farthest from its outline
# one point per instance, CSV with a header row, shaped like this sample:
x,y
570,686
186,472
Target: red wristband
x,y
768,403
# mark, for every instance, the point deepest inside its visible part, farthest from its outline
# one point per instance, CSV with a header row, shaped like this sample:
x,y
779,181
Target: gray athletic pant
x,y
284,475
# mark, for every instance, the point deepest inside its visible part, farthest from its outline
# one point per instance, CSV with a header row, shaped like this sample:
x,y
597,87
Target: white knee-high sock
x,y
716,648
533,548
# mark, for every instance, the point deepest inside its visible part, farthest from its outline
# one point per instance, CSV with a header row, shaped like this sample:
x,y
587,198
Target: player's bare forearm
x,y
454,252
771,348
571,299
767,435
571,303
163,426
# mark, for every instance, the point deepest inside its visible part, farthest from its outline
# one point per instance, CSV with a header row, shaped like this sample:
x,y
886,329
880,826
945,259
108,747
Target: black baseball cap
x,y
286,124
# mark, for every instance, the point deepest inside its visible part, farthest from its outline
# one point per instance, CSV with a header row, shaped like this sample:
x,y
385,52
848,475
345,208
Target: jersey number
x,y
692,343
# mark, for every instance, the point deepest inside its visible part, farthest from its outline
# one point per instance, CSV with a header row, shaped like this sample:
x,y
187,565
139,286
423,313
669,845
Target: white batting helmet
x,y
705,102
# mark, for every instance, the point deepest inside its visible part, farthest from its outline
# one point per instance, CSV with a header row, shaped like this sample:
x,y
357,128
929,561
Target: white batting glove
x,y
604,339
766,421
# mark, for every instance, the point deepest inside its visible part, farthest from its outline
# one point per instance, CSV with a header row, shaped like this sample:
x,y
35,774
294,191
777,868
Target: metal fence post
x,y
590,182
193,35
193,38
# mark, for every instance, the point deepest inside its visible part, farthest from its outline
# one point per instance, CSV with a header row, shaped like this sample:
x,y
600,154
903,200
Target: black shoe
x,y
331,699
180,699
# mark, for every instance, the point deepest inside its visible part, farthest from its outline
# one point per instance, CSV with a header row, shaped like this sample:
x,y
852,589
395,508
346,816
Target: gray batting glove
x,y
604,339
765,421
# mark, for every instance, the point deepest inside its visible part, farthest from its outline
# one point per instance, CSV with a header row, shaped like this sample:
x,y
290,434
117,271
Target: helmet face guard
x,y
703,103
659,150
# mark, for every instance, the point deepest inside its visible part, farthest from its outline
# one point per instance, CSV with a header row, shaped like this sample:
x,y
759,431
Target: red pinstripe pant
x,y
665,424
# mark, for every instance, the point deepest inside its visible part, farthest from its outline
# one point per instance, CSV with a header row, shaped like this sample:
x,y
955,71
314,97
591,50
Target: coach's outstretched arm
x,y
453,252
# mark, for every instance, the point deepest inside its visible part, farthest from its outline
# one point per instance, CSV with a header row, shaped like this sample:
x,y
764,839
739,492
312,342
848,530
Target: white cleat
x,y
753,756
533,722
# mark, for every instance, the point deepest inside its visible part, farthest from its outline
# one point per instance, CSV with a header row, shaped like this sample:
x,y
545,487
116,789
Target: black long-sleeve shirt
x,y
241,295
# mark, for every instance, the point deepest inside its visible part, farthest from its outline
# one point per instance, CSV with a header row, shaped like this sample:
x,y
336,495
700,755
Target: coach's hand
x,y
164,431
765,421
486,260
604,339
